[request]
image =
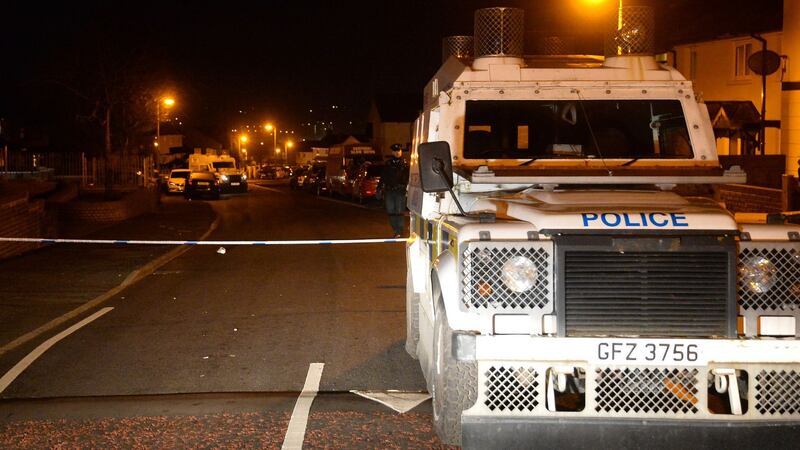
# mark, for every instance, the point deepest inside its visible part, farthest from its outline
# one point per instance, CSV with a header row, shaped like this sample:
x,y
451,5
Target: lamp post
x,y
274,130
168,102
289,144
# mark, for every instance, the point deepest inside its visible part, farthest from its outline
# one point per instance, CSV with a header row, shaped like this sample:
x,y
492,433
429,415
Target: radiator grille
x,y
482,283
646,293
511,389
646,390
778,392
784,294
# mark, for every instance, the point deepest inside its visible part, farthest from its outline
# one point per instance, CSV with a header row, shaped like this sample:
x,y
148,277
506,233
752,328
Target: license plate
x,y
644,352
234,184
202,183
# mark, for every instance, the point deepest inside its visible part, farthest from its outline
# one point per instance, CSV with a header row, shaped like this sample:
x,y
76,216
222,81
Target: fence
x,y
125,170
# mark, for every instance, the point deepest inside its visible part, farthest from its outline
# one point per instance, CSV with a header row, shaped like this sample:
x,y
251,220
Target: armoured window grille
x,y
646,390
499,32
631,32
482,276
778,392
511,388
461,47
784,294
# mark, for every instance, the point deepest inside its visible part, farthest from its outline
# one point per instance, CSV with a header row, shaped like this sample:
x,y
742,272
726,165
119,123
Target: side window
x,y
742,52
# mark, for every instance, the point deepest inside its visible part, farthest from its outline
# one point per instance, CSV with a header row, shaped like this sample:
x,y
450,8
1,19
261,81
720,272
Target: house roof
x,y
732,114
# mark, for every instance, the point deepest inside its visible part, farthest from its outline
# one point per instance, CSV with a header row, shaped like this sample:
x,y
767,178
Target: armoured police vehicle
x,y
571,279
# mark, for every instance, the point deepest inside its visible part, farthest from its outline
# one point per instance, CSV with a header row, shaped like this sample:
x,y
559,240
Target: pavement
x,y
45,284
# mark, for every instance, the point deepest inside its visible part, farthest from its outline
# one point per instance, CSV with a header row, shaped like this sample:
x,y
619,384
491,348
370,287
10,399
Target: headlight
x,y
223,177
519,274
244,177
758,273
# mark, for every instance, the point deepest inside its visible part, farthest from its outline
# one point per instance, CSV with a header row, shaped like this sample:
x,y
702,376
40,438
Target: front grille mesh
x,y
778,392
646,390
646,293
482,283
784,295
511,388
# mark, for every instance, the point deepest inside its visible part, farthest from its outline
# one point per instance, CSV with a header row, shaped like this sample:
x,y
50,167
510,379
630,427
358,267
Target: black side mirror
x,y
435,167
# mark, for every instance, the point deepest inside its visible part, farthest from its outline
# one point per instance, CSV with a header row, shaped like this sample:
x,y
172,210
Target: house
x,y
391,118
721,75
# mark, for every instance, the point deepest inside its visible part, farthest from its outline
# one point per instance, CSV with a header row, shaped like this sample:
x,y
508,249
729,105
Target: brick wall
x,y
105,212
745,198
20,217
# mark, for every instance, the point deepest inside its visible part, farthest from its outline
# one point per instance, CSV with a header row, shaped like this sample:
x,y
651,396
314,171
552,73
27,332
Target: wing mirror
x,y
435,167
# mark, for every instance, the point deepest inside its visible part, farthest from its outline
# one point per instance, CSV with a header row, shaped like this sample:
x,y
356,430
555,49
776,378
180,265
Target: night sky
x,y
279,59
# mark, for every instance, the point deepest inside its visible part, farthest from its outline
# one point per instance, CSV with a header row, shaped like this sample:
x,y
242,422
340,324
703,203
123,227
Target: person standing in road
x,y
394,180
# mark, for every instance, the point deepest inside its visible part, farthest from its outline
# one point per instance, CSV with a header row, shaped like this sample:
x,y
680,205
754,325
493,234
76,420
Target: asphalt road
x,y
217,337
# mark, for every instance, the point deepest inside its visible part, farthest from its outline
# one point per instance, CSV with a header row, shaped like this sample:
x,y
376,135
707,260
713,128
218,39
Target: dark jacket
x,y
395,175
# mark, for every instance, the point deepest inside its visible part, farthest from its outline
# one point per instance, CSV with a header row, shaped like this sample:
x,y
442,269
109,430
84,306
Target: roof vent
x,y
459,46
499,32
631,32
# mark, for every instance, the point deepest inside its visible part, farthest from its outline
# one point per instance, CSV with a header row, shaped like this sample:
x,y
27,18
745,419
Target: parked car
x,y
296,180
272,173
314,181
176,183
202,184
366,181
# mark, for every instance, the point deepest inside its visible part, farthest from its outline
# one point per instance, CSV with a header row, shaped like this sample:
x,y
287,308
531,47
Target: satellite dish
x,y
764,62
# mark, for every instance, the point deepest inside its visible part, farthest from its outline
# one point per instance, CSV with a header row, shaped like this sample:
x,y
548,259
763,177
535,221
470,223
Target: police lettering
x,y
635,220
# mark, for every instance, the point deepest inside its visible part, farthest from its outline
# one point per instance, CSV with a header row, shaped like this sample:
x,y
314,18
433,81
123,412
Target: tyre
x,y
412,315
455,383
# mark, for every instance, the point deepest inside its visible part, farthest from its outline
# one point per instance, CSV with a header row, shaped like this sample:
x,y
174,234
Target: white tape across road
x,y
222,243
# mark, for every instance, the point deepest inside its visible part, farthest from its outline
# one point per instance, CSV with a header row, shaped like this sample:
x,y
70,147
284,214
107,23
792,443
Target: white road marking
x,y
132,278
399,401
296,432
15,371
268,188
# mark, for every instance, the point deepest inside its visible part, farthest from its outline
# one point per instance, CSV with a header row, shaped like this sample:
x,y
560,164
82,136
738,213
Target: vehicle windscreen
x,y
374,171
224,165
563,129
184,175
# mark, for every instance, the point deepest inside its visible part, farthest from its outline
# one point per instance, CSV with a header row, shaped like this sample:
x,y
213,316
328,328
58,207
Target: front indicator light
x,y
758,274
519,274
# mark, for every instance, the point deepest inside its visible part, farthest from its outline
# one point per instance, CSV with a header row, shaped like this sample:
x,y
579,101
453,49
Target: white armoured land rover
x,y
568,283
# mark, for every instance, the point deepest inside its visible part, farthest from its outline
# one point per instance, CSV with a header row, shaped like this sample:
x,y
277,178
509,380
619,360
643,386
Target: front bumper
x,y
617,391
491,432
233,187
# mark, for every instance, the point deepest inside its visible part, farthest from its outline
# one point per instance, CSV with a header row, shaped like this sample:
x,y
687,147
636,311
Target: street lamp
x,y
289,144
274,130
168,102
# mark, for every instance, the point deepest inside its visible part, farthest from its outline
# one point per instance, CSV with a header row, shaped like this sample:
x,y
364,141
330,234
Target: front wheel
x,y
455,383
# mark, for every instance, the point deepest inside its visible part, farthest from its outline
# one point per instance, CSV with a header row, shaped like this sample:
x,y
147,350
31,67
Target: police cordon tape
x,y
223,243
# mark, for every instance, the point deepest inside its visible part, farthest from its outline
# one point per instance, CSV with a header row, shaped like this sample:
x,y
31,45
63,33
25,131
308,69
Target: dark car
x,y
366,181
201,184
315,180
296,180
